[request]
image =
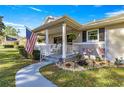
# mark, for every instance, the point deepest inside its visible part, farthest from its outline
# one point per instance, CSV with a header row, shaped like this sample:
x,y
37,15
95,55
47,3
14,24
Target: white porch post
x,y
47,37
64,41
105,44
47,42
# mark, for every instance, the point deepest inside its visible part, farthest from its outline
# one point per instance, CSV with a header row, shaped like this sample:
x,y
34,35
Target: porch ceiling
x,y
40,34
58,24
57,30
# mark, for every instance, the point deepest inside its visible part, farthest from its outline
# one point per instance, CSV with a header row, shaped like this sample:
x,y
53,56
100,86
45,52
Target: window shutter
x,y
84,36
101,34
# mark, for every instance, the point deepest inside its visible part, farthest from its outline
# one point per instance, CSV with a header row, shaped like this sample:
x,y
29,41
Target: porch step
x,y
55,58
49,58
70,56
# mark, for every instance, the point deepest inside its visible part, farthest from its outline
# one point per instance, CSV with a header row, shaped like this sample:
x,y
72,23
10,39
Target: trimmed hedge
x,y
8,46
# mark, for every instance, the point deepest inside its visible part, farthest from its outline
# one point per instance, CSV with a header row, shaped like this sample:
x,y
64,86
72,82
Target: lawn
x,y
103,77
10,63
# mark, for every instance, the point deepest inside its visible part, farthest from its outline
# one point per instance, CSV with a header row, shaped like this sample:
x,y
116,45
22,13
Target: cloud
x,y
16,26
109,14
13,24
38,10
35,9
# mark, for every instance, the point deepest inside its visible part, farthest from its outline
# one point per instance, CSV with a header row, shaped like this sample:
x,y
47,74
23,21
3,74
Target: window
x,y
92,35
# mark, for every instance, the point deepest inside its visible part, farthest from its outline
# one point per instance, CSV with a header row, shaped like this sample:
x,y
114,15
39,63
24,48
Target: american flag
x,y
31,38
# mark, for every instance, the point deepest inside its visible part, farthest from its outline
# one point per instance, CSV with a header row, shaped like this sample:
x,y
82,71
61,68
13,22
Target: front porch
x,y
56,37
57,43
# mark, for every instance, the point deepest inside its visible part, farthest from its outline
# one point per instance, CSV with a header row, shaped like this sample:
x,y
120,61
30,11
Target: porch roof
x,y
64,19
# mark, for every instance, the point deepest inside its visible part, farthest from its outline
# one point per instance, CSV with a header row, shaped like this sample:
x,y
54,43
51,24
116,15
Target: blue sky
x,y
33,15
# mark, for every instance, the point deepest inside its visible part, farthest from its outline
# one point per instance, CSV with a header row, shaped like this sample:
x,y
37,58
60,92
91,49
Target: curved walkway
x,y
31,77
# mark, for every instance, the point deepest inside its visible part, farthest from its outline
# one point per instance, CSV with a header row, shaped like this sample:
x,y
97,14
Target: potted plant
x,y
72,36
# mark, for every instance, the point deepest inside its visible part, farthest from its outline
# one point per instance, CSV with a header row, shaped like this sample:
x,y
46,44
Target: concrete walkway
x,y
31,77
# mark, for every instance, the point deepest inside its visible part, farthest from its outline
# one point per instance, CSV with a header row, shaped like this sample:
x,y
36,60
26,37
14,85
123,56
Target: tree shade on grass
x,y
103,77
10,63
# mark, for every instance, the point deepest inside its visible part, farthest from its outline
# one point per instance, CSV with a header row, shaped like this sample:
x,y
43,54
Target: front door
x,y
58,40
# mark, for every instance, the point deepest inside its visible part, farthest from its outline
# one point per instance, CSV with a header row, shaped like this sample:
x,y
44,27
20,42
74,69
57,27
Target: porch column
x,y
47,42
64,41
47,37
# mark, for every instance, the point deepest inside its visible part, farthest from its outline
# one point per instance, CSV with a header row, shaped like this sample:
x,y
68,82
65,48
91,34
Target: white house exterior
x,y
106,34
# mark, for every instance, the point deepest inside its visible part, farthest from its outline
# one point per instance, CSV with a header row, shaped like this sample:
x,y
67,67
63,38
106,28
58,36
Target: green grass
x,y
10,63
103,77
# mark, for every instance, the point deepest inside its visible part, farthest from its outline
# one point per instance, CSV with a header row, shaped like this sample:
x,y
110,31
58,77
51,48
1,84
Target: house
x,y
104,38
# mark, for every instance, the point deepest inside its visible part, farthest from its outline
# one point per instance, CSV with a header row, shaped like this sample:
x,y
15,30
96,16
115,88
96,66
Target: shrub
x,y
78,56
8,46
23,52
98,59
82,63
36,54
118,61
20,46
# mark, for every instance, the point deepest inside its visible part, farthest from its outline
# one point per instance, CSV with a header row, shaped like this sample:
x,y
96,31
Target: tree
x,y
9,30
2,26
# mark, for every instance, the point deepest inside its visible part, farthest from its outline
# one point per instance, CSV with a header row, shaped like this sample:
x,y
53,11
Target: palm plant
x,y
72,36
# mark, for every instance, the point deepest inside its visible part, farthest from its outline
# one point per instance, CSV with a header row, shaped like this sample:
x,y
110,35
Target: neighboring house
x,y
13,40
105,35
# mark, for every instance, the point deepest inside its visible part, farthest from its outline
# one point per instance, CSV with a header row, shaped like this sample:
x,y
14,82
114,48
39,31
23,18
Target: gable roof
x,y
105,22
50,19
63,19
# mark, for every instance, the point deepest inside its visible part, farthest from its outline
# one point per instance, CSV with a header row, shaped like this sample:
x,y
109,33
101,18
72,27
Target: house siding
x,y
115,41
83,44
93,46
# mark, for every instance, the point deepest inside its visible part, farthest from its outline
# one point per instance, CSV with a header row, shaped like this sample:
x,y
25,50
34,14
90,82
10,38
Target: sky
x,y
33,16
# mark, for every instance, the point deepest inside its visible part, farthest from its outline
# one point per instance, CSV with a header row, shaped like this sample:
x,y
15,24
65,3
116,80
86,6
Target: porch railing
x,y
49,49
71,49
93,49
